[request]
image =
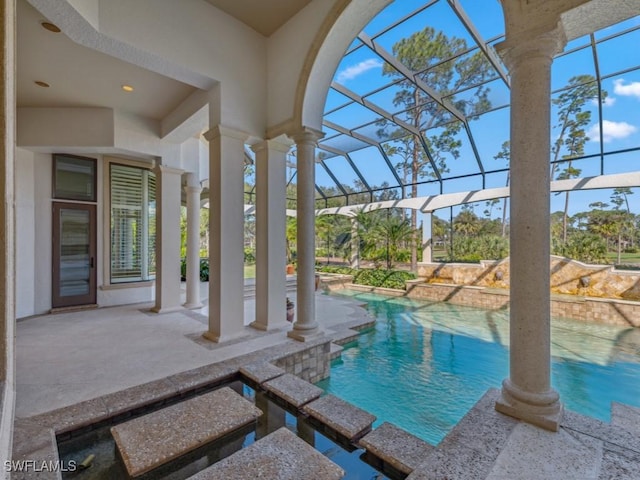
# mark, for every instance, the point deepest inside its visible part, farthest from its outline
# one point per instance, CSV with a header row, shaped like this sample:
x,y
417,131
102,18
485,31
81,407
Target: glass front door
x,y
74,254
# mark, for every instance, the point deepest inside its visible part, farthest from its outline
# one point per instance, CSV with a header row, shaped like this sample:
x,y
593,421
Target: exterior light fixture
x,y
51,27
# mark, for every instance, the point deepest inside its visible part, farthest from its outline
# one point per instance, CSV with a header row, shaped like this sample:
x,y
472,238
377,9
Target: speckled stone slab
x,y
292,389
397,447
261,372
625,416
154,439
346,419
280,455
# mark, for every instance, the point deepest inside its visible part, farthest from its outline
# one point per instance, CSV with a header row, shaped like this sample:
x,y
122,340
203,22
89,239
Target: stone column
x,y
527,393
167,239
226,234
271,254
306,326
355,244
427,240
193,191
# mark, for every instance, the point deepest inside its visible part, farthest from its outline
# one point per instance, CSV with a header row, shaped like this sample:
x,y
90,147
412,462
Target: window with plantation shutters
x,y
133,224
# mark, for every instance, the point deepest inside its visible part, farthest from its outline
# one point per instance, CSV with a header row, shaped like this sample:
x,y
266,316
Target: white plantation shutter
x,y
132,192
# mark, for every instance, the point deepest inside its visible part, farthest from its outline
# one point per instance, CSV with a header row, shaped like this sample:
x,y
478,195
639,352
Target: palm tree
x,y
395,231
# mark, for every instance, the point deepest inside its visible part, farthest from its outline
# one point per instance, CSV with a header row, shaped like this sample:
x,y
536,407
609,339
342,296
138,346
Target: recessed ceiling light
x,y
51,27
42,84
127,88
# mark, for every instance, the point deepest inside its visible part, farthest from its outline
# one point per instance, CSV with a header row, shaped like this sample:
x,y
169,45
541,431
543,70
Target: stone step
x,y
626,417
280,455
152,440
292,390
400,449
347,420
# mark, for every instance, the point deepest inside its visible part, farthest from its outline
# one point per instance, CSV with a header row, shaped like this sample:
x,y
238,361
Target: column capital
x,y
306,135
532,44
280,144
164,169
223,131
192,189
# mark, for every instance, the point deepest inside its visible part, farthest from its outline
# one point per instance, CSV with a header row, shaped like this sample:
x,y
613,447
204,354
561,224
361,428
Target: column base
x,y
193,306
305,335
157,309
542,410
269,327
216,338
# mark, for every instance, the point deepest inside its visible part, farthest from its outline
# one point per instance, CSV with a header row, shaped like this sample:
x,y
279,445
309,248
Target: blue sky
x,y
361,71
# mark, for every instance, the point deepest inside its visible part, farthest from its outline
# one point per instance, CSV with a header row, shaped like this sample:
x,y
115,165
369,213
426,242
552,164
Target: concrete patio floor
x,y
65,358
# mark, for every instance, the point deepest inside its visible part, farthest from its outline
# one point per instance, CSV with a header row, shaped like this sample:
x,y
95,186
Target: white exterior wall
x,y
43,228
25,234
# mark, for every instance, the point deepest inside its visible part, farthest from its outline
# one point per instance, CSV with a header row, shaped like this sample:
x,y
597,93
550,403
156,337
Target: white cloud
x,y
630,90
353,71
611,131
608,102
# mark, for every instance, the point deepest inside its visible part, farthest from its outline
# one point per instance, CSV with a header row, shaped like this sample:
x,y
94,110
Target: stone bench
x,y
152,440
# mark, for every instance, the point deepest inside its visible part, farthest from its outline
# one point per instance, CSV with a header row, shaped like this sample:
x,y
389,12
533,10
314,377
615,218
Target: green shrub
x,y
377,277
584,247
204,269
335,269
249,255
474,249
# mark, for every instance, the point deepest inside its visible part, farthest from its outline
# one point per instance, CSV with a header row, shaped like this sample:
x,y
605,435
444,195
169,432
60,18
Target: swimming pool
x,y
424,365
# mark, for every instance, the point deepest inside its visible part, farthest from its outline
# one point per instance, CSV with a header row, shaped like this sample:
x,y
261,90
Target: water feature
x,y
106,465
424,365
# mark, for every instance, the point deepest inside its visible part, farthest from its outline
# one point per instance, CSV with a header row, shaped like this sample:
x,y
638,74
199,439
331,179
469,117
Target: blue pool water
x,y
424,365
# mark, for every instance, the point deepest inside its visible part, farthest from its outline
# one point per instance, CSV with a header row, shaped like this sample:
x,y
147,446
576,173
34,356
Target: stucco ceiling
x,y
82,77
263,16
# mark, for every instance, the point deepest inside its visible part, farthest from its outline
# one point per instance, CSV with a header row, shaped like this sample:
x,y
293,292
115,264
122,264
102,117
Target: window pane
x,y
74,178
133,224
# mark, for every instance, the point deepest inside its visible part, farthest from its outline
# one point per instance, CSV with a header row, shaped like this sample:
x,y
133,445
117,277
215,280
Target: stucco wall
x,y
25,233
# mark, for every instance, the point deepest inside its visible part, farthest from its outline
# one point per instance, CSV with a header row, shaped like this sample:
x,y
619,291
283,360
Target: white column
x,y
427,240
193,191
527,393
226,234
271,255
306,326
355,244
167,239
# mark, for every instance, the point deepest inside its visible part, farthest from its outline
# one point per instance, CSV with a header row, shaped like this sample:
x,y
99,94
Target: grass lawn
x,y
624,257
249,270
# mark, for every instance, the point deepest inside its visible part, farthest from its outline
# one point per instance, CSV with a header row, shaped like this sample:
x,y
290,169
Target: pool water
x,y
424,365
